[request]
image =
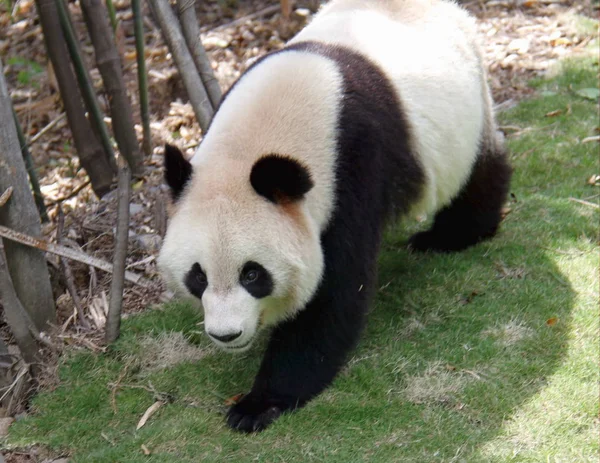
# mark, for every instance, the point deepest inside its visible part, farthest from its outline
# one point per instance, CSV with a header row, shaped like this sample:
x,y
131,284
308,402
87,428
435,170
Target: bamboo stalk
x,y
109,65
113,321
142,76
85,83
31,172
17,318
28,269
185,64
112,14
86,142
191,32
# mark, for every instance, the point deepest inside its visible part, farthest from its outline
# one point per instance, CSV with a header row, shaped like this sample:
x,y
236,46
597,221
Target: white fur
x,y
289,104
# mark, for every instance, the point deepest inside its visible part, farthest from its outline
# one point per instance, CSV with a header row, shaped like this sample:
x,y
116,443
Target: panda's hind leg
x,y
475,214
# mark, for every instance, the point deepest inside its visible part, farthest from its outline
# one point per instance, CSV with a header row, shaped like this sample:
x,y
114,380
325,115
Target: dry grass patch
x,y
169,349
510,333
440,383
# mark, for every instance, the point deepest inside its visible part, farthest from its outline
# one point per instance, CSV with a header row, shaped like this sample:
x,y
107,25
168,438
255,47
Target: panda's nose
x,y
225,337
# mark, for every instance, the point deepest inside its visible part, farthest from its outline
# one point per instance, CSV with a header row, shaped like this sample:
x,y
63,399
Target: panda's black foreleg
x,y
303,357
305,354
475,214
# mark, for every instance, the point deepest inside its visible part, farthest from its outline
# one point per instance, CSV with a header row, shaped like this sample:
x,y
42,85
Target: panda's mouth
x,y
240,348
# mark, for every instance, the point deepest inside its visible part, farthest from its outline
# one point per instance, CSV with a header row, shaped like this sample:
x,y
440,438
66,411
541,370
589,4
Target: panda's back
x,y
426,48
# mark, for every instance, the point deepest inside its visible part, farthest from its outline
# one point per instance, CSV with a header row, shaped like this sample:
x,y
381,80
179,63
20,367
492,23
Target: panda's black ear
x,y
280,178
178,170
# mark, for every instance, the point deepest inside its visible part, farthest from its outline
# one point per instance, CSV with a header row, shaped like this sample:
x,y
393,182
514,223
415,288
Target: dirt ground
x,y
521,39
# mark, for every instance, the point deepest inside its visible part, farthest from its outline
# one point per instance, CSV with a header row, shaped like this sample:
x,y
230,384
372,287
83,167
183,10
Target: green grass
x,y
486,355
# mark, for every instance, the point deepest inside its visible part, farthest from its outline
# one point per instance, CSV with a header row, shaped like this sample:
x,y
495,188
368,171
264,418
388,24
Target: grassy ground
x,y
487,355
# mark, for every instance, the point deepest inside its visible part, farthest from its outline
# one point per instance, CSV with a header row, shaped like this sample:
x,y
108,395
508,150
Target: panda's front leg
x,y
304,355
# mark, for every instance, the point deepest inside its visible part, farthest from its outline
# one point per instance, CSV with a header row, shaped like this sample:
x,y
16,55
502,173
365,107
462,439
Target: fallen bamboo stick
x,y
69,253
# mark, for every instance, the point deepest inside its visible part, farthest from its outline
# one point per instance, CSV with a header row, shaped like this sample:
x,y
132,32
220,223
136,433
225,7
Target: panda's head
x,y
241,241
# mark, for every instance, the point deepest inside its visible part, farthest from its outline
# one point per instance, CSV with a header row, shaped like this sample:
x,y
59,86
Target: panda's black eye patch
x,y
196,281
256,280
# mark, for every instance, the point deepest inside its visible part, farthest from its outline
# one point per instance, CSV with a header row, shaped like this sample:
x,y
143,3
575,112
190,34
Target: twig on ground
x,y
115,386
585,203
473,374
144,261
108,439
264,12
68,274
69,253
70,195
72,317
86,342
4,197
24,369
41,339
152,409
591,139
45,130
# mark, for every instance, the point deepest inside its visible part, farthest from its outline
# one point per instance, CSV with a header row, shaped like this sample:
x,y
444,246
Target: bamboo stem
x,y
142,76
28,269
17,318
112,13
109,65
185,64
191,32
113,321
89,149
85,84
33,178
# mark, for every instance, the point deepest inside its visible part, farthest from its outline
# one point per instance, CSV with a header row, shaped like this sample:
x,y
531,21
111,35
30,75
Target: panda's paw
x,y
253,414
429,241
422,242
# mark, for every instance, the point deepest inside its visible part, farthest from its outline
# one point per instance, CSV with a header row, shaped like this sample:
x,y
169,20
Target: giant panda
x,y
376,110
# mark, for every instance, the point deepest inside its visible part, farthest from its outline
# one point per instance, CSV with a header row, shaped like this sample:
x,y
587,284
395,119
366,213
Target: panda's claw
x,y
251,415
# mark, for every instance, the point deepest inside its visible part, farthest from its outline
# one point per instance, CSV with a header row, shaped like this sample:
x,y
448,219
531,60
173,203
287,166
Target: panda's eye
x,y
196,281
201,277
256,280
251,276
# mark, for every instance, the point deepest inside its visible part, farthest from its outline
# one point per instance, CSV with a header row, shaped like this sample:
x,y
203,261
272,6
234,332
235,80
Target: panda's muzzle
x,y
225,338
224,341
